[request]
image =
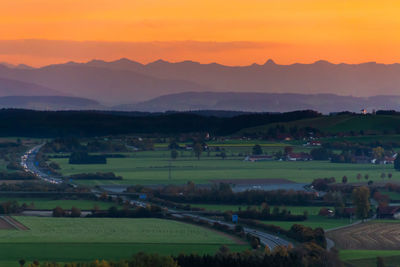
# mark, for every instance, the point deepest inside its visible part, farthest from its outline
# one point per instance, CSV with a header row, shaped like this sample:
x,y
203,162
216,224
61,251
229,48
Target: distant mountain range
x,y
161,85
261,102
17,88
49,103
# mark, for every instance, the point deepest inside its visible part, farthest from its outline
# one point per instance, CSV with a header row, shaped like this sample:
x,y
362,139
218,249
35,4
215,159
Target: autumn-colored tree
x,y
361,201
75,212
58,212
378,153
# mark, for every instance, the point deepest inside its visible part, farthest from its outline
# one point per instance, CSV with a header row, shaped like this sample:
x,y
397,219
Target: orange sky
x,y
230,32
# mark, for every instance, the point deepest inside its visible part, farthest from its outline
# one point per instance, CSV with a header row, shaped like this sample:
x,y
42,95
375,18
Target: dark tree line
x,y
307,255
85,158
96,176
14,122
222,194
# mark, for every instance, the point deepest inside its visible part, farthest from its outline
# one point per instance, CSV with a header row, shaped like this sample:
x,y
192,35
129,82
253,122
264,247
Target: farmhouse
x,y
388,212
299,157
386,160
259,158
390,160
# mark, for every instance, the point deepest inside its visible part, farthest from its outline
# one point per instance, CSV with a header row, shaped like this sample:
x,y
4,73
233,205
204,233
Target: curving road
x,y
28,162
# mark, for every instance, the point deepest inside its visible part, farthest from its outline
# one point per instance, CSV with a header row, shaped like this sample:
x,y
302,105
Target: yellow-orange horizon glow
x,y
288,31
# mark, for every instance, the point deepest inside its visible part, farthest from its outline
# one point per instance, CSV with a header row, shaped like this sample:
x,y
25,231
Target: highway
x,y
265,239
28,162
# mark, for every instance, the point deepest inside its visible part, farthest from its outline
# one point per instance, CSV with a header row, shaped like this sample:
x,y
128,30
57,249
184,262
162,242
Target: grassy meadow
x,y
367,258
313,221
152,167
86,239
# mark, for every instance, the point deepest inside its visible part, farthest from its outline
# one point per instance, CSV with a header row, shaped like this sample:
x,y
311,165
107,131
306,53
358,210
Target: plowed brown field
x,y
371,235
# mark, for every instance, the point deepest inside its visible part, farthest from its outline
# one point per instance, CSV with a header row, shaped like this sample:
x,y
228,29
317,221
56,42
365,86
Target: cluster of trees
x,y
393,187
101,123
44,187
323,184
96,176
19,175
280,131
307,255
10,152
151,211
60,212
138,260
10,207
85,158
361,197
264,213
145,144
72,144
223,194
360,148
320,153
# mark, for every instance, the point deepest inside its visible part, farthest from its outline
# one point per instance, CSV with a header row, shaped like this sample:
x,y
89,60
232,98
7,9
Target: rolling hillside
x,y
370,124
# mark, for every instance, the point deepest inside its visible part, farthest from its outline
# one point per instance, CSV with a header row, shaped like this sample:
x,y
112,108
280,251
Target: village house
x,y
298,157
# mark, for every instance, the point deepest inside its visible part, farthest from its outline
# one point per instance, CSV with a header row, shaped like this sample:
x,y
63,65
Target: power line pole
x,y
169,170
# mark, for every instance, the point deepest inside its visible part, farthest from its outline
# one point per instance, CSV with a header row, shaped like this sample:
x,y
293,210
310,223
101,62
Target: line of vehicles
x,y
29,164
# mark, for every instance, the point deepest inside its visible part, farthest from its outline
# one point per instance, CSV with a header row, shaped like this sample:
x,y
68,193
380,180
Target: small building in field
x,y
299,157
255,158
388,212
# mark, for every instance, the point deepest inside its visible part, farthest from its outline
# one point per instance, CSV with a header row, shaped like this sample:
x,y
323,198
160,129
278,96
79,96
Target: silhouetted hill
x,y
49,103
17,122
128,82
14,88
366,79
102,84
263,102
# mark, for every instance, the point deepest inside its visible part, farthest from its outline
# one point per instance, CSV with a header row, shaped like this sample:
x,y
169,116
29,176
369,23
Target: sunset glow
x,y
234,32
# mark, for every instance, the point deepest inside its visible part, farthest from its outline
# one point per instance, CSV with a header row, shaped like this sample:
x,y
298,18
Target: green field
x,y
367,258
48,204
296,210
83,239
152,167
313,221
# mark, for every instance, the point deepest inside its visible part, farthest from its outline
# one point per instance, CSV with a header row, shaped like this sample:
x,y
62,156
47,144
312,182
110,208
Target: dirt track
x,y
372,235
7,222
4,225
